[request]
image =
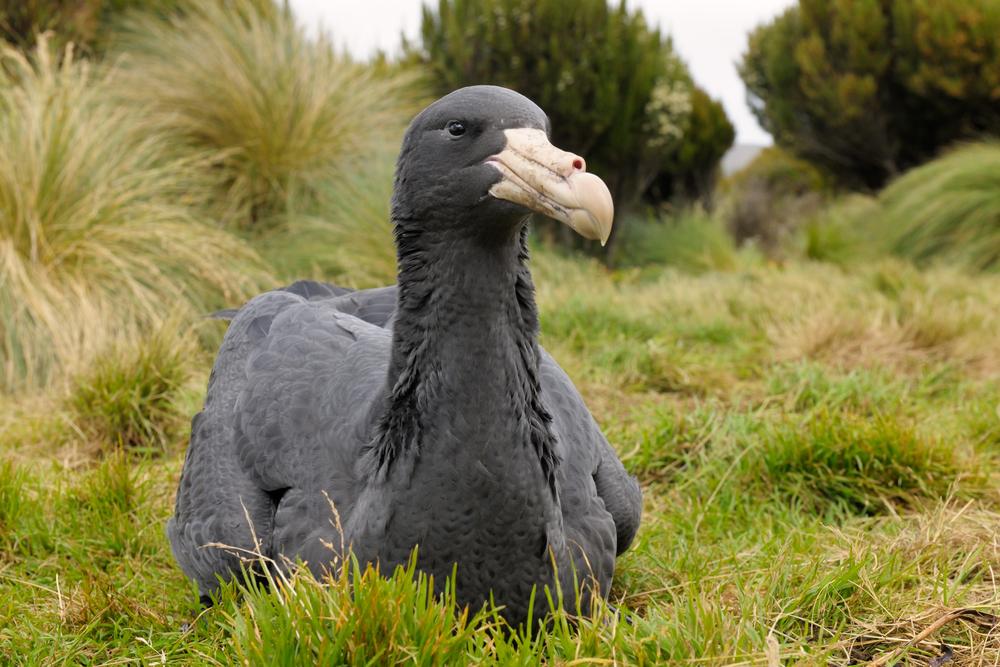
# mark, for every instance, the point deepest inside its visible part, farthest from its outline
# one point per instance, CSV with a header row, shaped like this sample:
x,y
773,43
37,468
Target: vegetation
x,y
614,88
820,475
867,89
221,78
85,23
818,439
100,225
767,199
948,210
690,170
131,395
944,212
690,240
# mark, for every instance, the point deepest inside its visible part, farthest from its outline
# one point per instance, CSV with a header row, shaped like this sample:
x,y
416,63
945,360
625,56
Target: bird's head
x,y
481,155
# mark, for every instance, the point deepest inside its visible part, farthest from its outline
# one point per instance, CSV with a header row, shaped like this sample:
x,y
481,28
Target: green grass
x,y
818,440
817,503
349,237
131,396
943,213
690,240
947,210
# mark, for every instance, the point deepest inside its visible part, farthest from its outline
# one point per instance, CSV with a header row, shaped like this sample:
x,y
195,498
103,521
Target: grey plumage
x,y
427,414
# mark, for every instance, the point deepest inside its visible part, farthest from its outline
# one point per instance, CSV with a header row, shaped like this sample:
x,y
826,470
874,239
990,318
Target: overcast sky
x,y
709,34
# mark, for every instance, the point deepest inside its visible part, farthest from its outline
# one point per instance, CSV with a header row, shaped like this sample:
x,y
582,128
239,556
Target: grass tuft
x,y
691,240
348,240
947,210
99,226
130,396
13,481
864,465
278,112
354,618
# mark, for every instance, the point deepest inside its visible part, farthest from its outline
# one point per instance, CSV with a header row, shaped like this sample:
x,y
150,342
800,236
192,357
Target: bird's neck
x,y
463,378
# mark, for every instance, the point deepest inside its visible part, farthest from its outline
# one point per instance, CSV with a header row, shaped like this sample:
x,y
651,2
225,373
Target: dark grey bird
x,y
425,413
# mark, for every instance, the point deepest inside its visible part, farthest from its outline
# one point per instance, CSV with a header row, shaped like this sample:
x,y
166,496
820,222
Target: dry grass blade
x,y
948,209
280,113
100,230
980,618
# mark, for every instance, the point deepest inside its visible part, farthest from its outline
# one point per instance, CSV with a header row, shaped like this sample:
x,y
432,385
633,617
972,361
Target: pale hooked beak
x,y
543,178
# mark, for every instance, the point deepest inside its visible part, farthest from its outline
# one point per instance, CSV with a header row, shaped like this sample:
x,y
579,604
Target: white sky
x,y
709,34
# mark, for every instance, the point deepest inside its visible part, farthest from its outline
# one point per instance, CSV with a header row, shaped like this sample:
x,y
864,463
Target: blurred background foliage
x,y
207,149
615,89
866,89
88,24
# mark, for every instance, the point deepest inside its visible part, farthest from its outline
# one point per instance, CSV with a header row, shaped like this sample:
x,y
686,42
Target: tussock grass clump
x,y
373,618
865,465
839,232
349,239
691,240
106,504
947,210
130,396
99,226
278,112
359,616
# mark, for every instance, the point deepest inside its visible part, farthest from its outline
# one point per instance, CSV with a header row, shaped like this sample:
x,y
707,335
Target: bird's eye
x,y
456,128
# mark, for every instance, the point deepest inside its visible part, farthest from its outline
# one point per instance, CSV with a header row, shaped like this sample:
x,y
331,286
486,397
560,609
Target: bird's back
x,y
286,415
294,394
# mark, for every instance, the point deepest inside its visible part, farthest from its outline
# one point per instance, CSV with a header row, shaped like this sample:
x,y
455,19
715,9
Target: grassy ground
x,y
819,450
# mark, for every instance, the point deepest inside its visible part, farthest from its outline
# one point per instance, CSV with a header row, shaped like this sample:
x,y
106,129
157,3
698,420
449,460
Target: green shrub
x,y
870,88
839,233
277,112
616,91
947,210
100,228
129,396
691,240
690,171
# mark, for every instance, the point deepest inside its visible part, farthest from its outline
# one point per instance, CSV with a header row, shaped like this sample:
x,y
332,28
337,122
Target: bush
x,y
615,89
690,171
100,230
868,89
85,23
947,210
769,197
279,113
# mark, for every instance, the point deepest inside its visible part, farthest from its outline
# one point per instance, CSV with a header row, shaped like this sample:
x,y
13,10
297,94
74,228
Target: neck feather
x,y
464,342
